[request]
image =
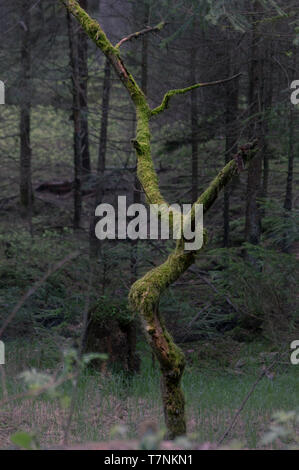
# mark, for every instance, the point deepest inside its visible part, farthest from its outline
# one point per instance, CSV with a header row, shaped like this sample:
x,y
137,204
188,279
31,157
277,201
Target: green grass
x,y
213,395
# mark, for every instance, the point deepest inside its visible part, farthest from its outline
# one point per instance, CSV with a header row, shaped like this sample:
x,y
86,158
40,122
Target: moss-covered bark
x,y
181,91
109,331
146,292
144,298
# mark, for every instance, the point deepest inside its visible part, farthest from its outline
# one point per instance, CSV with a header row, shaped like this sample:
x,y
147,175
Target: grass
x,y
213,395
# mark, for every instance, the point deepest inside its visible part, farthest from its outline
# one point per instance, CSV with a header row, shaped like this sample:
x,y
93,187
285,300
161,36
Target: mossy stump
x,y
112,330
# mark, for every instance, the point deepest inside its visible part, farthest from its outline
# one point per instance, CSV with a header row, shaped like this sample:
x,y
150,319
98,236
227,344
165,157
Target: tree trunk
x,y
289,185
76,116
288,202
253,218
26,193
101,166
194,119
231,139
267,101
83,81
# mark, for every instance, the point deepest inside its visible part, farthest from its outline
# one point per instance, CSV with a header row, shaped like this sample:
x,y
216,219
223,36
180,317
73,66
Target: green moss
x,y
208,197
107,308
138,96
92,27
174,407
145,166
145,293
169,95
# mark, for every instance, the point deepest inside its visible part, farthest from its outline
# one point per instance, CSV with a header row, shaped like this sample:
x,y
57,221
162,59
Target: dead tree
x,y
145,293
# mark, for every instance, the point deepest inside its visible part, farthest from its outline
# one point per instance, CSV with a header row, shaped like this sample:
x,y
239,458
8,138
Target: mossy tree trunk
x,y
111,334
145,293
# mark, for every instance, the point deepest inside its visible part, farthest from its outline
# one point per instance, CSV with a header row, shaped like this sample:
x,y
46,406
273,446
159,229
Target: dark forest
x,y
149,225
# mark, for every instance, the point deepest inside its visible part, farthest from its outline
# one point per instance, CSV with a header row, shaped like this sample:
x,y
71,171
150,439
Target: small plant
x,y
284,428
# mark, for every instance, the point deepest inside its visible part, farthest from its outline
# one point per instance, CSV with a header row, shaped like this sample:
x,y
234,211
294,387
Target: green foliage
x,y
233,12
261,284
195,322
35,380
24,261
280,227
109,309
285,428
24,440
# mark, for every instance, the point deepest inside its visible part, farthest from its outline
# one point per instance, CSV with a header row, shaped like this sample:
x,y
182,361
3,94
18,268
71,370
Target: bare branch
x,y
260,377
148,29
181,91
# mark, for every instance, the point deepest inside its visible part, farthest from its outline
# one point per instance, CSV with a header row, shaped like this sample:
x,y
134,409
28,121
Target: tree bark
x,y
231,139
194,119
288,201
83,86
253,217
26,193
289,185
267,100
101,166
76,116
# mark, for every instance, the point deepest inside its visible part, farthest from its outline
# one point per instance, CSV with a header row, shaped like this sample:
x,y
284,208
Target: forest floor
x,y
110,405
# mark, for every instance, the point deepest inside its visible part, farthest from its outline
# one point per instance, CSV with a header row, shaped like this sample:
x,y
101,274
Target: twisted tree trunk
x,y
145,293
